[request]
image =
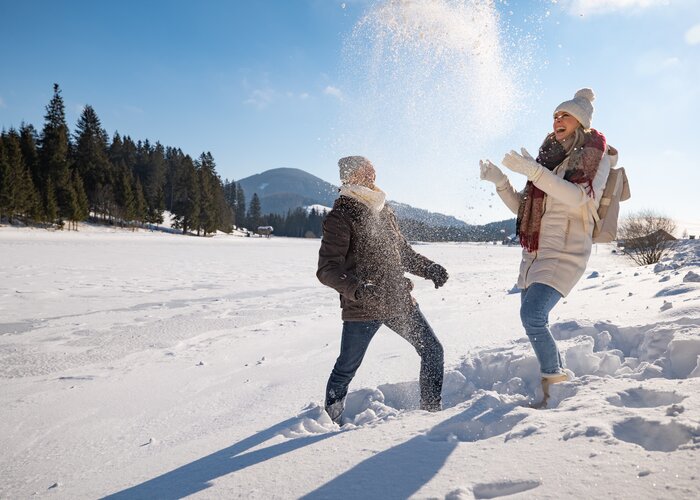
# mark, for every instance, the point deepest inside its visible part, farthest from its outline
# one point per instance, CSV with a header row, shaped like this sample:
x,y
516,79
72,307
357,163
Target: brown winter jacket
x,y
362,246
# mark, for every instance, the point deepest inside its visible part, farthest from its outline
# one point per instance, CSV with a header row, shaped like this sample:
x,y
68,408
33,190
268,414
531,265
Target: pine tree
x,y
254,213
185,194
226,214
155,195
124,197
54,153
140,205
81,204
149,168
50,203
91,158
3,173
208,217
30,154
28,140
17,194
240,207
229,192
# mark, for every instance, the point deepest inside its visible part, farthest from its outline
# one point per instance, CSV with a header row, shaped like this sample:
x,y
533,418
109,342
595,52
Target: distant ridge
x,y
284,189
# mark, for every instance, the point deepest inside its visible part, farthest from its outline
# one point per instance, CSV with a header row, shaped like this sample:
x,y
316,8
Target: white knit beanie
x,y
350,164
580,107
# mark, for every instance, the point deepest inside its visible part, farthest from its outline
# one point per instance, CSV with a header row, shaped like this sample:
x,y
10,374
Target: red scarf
x,y
582,168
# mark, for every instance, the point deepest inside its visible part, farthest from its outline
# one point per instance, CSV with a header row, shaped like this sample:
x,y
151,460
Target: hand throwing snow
x,y
490,172
437,274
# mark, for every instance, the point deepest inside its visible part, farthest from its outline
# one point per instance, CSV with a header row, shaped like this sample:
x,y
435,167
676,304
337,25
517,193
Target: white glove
x,y
523,164
490,172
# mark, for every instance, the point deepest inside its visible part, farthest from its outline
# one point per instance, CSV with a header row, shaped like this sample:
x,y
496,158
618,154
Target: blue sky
x,y
276,83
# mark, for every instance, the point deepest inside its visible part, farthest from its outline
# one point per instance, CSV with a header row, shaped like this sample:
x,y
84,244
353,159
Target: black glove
x,y
366,290
437,274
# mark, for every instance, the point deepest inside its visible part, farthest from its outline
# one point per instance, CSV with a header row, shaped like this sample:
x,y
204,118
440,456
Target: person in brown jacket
x,y
363,256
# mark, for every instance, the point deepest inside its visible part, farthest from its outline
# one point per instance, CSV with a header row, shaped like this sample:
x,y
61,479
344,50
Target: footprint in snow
x,y
645,398
494,490
653,435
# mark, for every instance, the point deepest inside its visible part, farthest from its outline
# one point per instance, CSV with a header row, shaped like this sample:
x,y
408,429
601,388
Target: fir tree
x,y
79,209
50,213
229,192
91,158
226,215
124,197
254,213
185,194
208,217
17,195
28,140
240,207
30,154
3,173
54,153
154,195
140,205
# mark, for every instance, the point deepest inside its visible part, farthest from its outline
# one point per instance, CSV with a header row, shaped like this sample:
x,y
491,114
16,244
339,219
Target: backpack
x,y
616,190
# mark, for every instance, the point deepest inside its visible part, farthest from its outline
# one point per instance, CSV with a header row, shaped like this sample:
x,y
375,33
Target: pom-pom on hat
x,y
580,107
350,164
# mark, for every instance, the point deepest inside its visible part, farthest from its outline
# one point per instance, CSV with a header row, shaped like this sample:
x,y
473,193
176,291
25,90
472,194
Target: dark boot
x,y
335,410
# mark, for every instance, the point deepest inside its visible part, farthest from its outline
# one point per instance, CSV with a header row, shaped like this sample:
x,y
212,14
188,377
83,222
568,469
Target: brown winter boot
x,y
548,380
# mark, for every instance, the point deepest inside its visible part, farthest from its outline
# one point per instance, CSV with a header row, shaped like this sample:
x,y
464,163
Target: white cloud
x,y
654,63
2,103
333,91
261,98
591,7
692,36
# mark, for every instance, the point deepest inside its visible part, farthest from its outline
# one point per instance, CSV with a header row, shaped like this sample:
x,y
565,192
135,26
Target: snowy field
x,y
150,365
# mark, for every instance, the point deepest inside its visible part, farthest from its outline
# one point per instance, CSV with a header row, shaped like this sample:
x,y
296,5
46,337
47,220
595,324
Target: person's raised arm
x,y
507,193
567,192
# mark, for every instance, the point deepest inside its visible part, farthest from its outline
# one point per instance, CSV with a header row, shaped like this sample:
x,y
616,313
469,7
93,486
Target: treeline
x,y
54,178
297,223
420,231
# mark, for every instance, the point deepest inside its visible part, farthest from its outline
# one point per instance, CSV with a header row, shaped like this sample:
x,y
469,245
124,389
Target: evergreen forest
x,y
52,178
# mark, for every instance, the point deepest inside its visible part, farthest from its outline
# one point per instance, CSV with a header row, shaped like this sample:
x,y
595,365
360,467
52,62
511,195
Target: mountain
x,y
284,189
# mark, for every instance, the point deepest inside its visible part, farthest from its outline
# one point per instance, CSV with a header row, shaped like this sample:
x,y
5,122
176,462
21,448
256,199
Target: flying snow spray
x,y
427,82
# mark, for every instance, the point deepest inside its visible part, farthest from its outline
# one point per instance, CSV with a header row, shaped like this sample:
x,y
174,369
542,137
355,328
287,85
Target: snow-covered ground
x,y
151,365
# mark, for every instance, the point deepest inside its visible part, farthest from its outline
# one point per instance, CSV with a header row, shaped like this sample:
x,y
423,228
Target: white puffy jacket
x,y
566,229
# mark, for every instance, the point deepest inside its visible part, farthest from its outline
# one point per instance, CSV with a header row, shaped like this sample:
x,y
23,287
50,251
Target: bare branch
x,y
646,236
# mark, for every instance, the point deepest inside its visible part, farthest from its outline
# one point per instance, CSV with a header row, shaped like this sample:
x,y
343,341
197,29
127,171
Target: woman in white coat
x,y
555,218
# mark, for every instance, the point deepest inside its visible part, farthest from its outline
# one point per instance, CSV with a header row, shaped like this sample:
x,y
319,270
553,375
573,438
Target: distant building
x,y
651,239
265,231
510,240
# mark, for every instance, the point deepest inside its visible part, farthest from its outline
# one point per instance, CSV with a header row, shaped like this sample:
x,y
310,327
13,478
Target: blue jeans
x,y
415,329
536,302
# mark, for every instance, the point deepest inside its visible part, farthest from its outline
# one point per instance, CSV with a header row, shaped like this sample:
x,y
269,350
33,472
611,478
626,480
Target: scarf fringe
x,y
582,169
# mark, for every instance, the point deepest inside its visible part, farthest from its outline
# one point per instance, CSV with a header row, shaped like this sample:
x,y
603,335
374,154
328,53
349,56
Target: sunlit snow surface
x,y
151,365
